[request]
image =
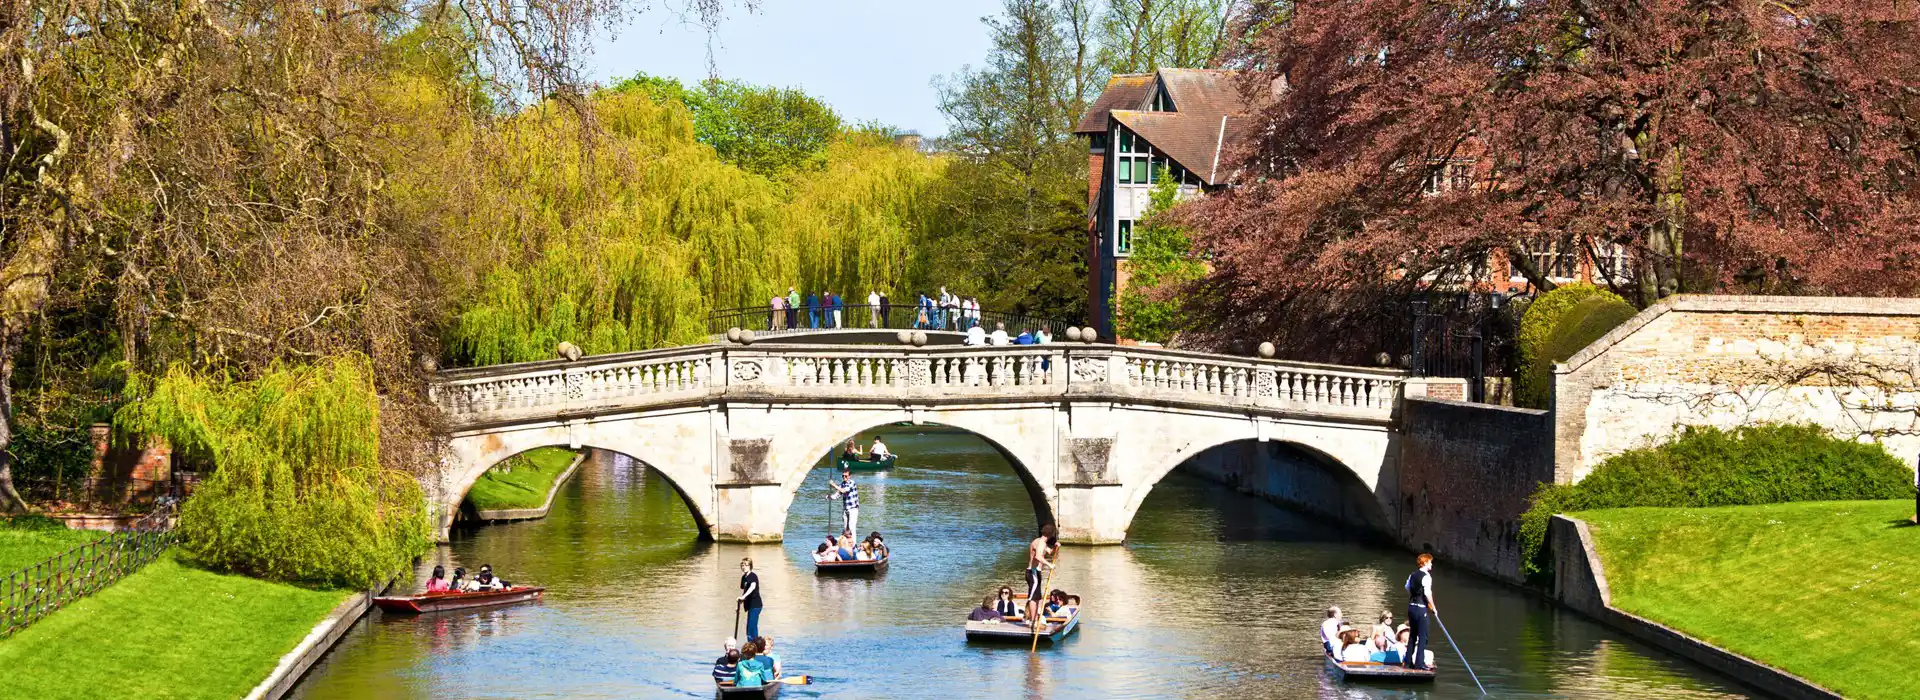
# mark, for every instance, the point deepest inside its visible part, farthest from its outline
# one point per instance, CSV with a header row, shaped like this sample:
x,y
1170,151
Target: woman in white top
x,y
1353,647
999,336
1383,631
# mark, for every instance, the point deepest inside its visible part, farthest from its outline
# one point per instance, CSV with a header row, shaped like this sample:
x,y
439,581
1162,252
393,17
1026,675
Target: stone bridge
x,y
1089,428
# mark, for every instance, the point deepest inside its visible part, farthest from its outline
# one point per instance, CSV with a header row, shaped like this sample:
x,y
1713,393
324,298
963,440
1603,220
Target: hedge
x,y
1705,467
1536,326
1578,328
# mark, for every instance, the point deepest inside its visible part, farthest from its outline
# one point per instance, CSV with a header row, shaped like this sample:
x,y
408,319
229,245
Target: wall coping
x,y
1479,406
503,514
1716,303
1753,673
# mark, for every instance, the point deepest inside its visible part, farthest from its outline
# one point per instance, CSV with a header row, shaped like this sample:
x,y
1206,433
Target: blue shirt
x,y
756,671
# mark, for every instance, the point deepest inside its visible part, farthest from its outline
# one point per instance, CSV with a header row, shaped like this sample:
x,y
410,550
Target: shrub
x,y
1536,325
1579,327
296,491
1705,467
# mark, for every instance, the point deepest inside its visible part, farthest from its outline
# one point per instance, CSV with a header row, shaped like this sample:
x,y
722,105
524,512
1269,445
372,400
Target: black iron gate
x,y
1465,335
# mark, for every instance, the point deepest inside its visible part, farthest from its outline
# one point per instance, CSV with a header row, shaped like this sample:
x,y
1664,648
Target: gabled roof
x,y
1210,117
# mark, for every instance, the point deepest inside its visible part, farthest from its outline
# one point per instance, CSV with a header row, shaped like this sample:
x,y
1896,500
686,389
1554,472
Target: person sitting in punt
x,y
1330,629
753,670
484,581
438,583
1056,600
986,612
852,450
725,667
766,652
1353,646
846,546
459,580
1382,636
879,450
1404,636
823,553
1005,606
879,544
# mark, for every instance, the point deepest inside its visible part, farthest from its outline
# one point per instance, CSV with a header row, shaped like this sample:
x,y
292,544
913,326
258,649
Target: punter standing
x,y
750,597
849,495
1419,606
1037,564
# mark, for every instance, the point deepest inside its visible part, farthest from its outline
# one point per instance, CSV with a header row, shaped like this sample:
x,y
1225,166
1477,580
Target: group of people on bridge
x,y
828,310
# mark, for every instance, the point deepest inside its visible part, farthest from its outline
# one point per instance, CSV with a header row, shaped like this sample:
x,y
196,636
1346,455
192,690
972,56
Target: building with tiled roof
x,y
1180,121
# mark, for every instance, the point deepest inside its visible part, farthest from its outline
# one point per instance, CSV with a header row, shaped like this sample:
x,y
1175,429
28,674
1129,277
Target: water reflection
x,y
1216,593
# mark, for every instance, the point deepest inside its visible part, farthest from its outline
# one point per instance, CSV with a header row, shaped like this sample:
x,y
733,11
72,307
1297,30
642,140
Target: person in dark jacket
x,y
813,309
886,312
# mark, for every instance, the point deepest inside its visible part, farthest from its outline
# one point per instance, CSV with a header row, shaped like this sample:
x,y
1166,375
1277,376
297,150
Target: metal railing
x,y
105,493
30,594
769,322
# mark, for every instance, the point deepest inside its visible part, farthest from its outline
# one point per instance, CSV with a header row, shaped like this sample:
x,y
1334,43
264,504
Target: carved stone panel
x,y
749,463
746,371
1089,457
919,373
576,384
1265,384
1089,369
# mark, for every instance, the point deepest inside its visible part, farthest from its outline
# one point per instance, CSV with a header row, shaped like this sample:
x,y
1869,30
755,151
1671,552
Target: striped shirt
x,y
852,495
724,669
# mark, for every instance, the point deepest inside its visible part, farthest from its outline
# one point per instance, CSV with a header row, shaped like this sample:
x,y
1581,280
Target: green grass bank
x,y
522,481
1825,590
25,541
167,631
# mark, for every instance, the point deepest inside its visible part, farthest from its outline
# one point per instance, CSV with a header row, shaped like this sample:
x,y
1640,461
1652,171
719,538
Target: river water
x,y
1214,593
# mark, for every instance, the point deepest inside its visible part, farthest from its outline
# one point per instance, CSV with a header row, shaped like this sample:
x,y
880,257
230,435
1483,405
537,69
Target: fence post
x,y
1478,392
1416,363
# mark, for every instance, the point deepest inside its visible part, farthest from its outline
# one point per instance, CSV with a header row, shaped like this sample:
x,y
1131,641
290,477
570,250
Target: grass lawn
x,y
532,476
29,541
1828,591
168,631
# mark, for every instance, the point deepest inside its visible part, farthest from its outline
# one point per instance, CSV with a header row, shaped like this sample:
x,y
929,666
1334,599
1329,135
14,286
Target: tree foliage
x,y
1764,148
1152,306
1537,324
1139,36
294,490
766,130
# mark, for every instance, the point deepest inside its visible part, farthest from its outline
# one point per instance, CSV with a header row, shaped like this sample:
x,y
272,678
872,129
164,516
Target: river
x,y
1214,593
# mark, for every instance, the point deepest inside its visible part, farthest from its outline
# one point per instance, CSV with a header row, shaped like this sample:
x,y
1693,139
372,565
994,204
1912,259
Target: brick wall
x,y
1847,364
1465,473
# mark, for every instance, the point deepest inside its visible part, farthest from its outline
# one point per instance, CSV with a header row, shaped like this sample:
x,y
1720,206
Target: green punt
x,y
867,465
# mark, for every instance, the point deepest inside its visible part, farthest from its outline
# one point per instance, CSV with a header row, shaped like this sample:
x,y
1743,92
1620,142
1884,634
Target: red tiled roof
x,y
1209,116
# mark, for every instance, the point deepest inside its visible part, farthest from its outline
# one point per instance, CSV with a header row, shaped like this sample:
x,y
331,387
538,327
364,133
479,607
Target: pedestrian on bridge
x,y
813,309
776,309
793,308
886,312
873,308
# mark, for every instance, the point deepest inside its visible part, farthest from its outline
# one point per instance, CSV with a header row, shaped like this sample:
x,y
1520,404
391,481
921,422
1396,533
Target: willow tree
x,y
858,224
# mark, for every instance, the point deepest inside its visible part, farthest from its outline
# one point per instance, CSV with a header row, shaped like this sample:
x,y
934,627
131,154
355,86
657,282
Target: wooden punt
x,y
1376,671
867,465
436,602
856,566
1056,628
727,692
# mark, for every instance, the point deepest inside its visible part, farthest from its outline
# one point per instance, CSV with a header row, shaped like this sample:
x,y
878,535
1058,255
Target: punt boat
x,y
856,464
1376,671
758,692
1056,628
855,566
436,602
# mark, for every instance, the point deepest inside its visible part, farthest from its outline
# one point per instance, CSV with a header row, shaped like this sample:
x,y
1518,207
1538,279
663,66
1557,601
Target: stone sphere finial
x,y
1088,335
1383,360
568,350
746,337
733,334
1073,333
919,339
1266,350
905,337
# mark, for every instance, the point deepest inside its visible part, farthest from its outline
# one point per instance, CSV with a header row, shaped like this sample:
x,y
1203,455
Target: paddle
x,y
795,680
1456,650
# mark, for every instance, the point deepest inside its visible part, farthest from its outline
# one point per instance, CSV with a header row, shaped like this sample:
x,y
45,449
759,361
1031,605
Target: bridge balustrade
x,y
928,375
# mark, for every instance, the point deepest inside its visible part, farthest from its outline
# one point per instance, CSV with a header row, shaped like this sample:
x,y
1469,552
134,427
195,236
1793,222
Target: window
x,y
1614,264
1141,173
1097,143
1123,239
1123,167
1460,177
1554,262
1162,102
1126,141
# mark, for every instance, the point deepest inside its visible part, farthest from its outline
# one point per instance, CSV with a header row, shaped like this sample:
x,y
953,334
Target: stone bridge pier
x,y
1089,429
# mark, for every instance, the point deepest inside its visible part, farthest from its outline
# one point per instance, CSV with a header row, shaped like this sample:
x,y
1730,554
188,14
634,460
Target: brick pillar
x,y
101,435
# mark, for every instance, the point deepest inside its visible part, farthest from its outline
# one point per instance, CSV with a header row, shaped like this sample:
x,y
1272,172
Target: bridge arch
x,y
469,457
1300,474
1030,460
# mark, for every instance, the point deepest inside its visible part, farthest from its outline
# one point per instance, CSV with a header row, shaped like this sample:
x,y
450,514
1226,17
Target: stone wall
x,y
1465,473
1294,477
1847,364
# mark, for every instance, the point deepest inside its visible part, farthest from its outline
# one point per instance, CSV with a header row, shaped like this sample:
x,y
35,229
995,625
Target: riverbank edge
x,y
1580,584
510,514
319,642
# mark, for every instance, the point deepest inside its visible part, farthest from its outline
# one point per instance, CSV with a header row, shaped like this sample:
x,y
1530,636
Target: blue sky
x,y
868,59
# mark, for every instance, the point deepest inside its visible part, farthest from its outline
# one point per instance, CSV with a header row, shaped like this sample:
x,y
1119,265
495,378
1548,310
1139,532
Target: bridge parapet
x,y
930,376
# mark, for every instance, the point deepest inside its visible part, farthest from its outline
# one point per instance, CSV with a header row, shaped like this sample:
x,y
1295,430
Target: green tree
x,y
1150,307
762,129
1014,200
1138,36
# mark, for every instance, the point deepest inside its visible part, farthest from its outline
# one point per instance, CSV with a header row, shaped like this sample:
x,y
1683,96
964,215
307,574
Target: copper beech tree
x,y
1757,147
